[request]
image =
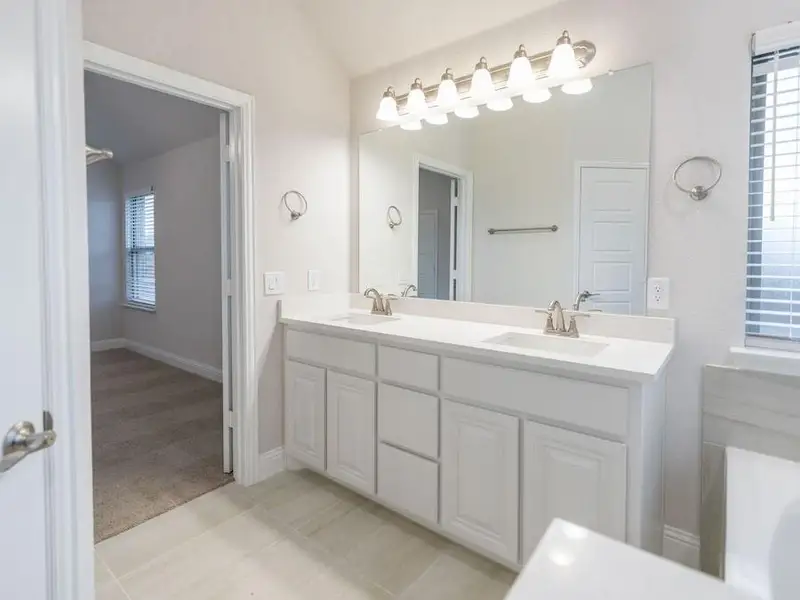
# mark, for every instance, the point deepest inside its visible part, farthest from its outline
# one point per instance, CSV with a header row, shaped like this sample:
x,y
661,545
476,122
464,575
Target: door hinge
x,y
228,418
228,287
228,153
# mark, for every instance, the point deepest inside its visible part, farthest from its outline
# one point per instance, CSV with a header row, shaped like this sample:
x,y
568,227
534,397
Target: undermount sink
x,y
547,343
360,319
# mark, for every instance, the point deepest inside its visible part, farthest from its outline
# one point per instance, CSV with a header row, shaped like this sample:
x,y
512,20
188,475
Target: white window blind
x,y
773,232
140,251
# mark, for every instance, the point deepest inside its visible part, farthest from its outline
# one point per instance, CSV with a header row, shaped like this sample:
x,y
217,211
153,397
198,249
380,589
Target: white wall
x,y
302,135
187,321
700,53
104,195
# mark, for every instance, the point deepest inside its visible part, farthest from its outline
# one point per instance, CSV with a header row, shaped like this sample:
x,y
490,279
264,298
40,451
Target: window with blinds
x,y
773,232
140,251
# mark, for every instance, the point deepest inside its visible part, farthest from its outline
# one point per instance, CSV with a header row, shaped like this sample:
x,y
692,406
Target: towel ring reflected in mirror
x,y
295,214
394,217
698,192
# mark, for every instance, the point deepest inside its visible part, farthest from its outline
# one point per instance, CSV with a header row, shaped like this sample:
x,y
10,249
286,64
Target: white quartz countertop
x,y
629,359
573,563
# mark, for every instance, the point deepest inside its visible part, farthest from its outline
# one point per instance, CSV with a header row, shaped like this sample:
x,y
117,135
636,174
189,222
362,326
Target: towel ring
x,y
698,192
295,214
394,217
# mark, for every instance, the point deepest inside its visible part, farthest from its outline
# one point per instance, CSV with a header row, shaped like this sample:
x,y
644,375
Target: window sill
x,y
764,360
141,307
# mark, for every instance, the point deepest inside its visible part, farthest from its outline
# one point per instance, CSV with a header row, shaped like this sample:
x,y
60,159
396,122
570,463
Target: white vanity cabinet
x,y
571,476
304,413
351,431
480,478
487,455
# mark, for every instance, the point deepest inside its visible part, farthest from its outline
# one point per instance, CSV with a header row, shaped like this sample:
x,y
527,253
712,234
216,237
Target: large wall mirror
x,y
521,207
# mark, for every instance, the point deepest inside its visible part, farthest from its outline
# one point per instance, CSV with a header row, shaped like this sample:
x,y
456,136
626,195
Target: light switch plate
x,y
273,283
314,280
658,293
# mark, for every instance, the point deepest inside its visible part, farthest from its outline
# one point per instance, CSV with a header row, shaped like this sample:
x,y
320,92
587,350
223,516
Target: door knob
x,y
22,440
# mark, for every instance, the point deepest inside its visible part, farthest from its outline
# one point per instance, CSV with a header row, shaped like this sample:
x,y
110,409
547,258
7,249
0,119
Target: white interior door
x,y
428,254
23,563
613,237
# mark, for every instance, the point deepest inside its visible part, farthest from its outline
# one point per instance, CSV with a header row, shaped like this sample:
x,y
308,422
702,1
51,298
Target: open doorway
x,y
158,264
442,230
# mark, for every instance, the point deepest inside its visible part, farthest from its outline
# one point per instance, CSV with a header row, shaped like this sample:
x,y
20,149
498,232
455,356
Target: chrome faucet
x,y
409,288
582,297
380,304
555,324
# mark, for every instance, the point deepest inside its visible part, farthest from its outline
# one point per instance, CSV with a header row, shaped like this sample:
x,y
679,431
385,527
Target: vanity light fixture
x,y
537,95
577,87
482,86
387,111
500,104
411,125
529,76
520,75
562,62
447,97
416,103
466,111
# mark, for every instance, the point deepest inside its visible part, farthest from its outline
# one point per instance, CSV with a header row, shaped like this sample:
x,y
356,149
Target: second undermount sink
x,y
362,319
547,343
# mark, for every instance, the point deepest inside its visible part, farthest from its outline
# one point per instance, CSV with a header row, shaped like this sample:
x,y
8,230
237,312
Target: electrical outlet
x,y
314,280
658,293
273,283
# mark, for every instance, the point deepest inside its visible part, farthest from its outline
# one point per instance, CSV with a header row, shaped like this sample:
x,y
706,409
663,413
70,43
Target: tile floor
x,y
295,536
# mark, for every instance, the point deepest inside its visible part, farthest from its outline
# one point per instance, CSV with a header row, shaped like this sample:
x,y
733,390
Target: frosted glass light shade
x,y
411,125
447,97
537,95
482,86
387,111
520,75
466,111
500,104
562,62
437,119
416,100
577,87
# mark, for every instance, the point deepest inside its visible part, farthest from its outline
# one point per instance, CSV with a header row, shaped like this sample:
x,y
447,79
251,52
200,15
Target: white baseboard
x,y
270,463
109,344
682,547
185,364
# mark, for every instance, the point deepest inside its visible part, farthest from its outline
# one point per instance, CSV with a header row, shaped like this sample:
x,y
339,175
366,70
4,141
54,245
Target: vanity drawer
x,y
347,355
409,368
594,406
408,482
409,419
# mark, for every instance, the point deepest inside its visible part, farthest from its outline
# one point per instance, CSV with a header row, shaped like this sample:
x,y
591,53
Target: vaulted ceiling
x,y
367,35
137,123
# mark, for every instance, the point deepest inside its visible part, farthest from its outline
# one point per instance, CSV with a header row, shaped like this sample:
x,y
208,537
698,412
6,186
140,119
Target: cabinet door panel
x,y
572,476
305,413
480,478
351,430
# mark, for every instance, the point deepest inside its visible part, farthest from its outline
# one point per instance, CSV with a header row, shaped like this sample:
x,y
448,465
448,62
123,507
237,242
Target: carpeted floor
x,y
156,439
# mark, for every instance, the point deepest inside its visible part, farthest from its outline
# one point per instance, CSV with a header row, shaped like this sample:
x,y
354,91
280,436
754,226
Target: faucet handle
x,y
387,306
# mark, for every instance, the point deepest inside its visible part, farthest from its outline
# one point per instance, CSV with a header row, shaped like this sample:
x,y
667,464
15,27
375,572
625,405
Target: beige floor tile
x,y
102,574
131,549
340,536
327,516
395,555
110,590
303,507
206,557
460,575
